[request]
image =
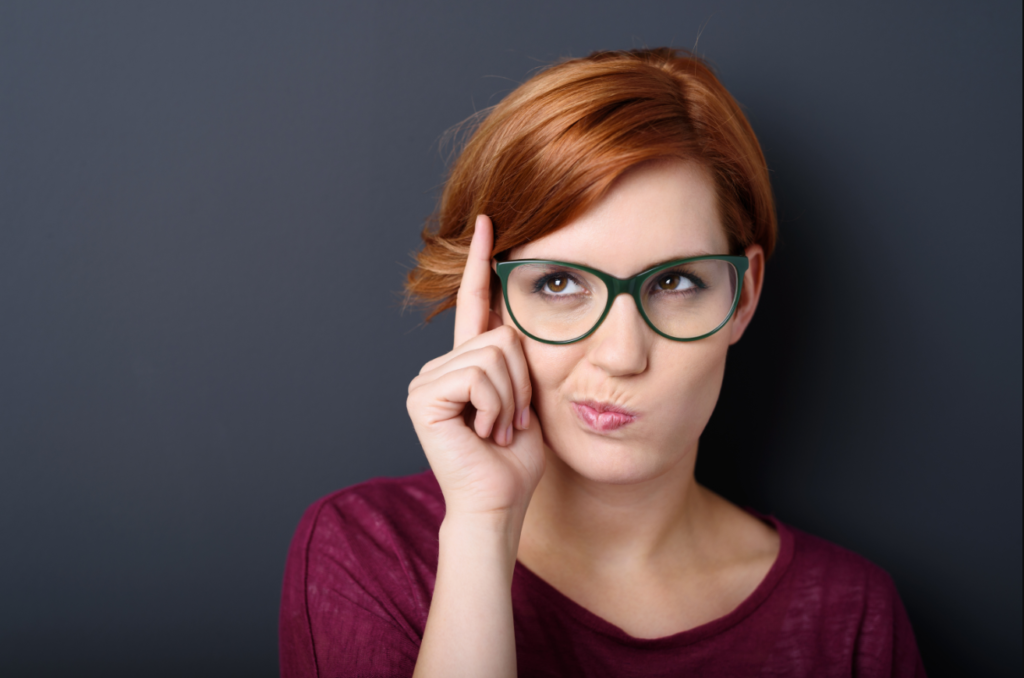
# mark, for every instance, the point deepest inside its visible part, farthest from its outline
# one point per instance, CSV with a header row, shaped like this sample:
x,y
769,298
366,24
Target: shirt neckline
x,y
713,627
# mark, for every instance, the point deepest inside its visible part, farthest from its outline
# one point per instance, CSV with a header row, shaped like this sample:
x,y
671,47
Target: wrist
x,y
488,536
470,629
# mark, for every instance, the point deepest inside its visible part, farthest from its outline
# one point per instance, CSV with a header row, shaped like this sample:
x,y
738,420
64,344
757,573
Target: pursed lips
x,y
602,417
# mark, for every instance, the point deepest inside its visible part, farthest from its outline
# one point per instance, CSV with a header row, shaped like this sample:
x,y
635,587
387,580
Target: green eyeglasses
x,y
684,300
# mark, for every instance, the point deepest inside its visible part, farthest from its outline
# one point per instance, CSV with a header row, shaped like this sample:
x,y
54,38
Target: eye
x,y
559,284
556,284
673,282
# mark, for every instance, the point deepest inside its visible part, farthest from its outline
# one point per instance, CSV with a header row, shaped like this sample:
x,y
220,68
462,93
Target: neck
x,y
616,527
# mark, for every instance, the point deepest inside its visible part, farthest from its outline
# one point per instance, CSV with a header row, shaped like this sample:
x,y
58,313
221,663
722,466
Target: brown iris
x,y
557,284
669,282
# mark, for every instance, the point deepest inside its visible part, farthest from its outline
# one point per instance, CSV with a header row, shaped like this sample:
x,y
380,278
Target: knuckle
x,y
469,292
506,336
412,401
526,390
434,363
495,355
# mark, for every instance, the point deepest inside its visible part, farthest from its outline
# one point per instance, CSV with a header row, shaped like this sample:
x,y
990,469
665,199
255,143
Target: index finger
x,y
473,304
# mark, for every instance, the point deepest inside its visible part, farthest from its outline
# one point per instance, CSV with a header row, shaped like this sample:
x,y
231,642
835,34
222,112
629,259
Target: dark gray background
x,y
206,213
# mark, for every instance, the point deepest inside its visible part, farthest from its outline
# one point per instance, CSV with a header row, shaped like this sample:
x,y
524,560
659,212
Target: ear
x,y
753,281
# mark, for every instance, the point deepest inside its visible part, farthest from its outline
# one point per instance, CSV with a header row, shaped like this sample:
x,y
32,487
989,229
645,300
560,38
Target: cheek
x,y
697,381
678,393
684,390
549,365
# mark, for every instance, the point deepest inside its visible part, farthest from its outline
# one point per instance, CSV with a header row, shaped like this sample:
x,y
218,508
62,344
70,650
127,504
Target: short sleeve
x,y
886,647
340,615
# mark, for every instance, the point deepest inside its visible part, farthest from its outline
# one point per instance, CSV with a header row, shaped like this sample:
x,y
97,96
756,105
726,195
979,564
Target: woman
x,y
603,237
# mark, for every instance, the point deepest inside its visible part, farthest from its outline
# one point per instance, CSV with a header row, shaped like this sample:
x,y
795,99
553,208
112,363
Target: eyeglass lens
x,y
560,303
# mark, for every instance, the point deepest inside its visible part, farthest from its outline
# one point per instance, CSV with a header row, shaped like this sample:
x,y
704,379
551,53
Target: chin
x,y
612,461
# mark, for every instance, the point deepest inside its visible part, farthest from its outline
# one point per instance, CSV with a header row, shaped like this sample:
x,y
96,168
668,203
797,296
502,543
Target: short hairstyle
x,y
553,147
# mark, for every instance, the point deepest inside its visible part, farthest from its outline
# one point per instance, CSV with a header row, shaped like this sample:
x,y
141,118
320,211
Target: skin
x,y
615,519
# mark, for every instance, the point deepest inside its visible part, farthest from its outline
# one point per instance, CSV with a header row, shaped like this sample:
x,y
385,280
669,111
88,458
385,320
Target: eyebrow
x,y
699,253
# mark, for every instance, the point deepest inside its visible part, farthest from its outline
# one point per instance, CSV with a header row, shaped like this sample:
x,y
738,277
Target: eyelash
x,y
692,277
538,287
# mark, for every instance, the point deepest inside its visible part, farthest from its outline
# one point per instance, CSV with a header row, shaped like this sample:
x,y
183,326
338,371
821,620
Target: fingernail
x,y
525,418
508,435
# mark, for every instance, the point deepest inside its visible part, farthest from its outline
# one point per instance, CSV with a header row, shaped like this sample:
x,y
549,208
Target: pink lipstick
x,y
602,417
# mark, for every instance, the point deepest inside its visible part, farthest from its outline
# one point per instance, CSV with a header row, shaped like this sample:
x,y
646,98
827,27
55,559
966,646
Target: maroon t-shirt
x,y
361,571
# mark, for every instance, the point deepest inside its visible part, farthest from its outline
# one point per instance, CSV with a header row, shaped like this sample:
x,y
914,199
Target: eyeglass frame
x,y
617,286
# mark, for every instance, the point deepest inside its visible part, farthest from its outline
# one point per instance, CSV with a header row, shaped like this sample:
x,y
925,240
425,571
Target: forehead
x,y
653,213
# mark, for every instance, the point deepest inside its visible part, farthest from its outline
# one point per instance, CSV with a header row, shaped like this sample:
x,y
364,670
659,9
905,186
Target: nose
x,y
621,344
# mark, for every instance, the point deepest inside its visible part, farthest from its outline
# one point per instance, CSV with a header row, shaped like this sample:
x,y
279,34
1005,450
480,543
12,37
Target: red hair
x,y
553,147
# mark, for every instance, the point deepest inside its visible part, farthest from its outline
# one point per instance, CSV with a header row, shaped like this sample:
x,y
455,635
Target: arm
x,y
469,629
488,463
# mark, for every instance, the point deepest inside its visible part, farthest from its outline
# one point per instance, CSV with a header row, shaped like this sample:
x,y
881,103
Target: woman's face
x,y
666,389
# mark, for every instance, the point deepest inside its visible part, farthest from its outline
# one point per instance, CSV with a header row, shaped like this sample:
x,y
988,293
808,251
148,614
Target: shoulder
x,y
853,604
818,581
360,573
381,525
376,508
828,581
358,538
829,567
837,607
862,604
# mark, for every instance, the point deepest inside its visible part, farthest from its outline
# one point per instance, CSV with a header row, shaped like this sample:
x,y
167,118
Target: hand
x,y
471,407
